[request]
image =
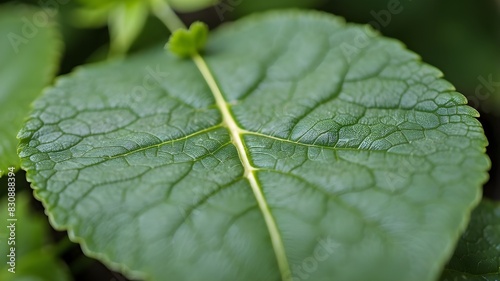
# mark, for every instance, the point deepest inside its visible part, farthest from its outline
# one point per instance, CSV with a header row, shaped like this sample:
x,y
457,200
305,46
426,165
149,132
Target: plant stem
x,y
162,10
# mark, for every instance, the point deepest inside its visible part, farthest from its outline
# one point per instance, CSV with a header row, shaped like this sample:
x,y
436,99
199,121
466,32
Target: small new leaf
x,y
186,43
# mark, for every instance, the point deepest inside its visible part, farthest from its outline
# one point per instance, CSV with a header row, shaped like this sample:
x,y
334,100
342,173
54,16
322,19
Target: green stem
x,y
164,12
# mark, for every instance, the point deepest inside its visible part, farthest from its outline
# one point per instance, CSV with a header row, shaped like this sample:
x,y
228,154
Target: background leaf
x,y
363,159
126,21
35,260
477,254
191,5
29,51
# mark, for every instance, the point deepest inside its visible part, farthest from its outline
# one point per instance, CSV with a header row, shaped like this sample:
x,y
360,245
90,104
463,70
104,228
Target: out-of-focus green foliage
x,y
460,37
125,19
29,52
35,260
191,5
39,265
477,254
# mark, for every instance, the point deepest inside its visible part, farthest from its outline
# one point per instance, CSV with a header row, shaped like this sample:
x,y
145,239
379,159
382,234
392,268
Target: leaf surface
x,y
477,256
29,51
275,156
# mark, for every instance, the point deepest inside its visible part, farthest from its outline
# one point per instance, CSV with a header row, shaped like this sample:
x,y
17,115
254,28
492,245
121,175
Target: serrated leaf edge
x,y
134,274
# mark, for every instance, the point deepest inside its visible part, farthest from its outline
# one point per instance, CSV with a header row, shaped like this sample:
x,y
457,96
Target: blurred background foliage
x,y
462,38
37,259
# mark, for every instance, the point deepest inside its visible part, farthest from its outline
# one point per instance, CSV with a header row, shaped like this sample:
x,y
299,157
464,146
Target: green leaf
x,y
38,266
126,21
276,156
186,43
477,254
125,18
29,51
30,234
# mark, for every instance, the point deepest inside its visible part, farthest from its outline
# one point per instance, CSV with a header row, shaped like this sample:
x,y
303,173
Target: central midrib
x,y
249,170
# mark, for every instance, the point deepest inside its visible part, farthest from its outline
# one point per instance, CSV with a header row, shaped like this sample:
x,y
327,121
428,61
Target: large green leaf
x,y
29,50
477,256
274,152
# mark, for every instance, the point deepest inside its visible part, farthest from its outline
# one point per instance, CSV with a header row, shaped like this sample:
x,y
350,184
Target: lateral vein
x,y
236,132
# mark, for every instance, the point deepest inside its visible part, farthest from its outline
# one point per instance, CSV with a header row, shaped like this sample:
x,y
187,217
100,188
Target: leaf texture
x,y
274,156
477,256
